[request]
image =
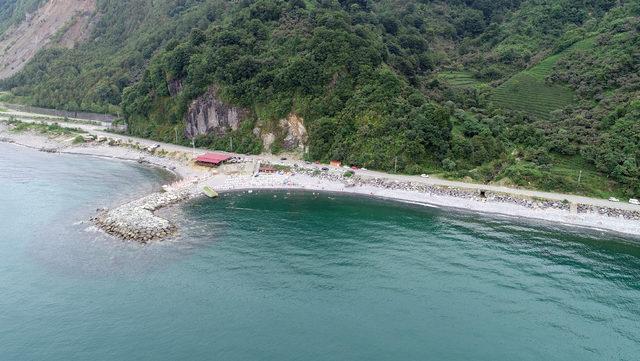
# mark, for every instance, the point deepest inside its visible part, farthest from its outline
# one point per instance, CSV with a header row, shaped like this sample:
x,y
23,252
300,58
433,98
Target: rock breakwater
x,y
136,220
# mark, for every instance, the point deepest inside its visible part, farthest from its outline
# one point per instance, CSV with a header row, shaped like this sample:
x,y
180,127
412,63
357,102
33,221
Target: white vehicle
x,y
634,201
424,175
614,199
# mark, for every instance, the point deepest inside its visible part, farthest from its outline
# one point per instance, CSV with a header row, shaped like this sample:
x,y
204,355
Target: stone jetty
x,y
136,220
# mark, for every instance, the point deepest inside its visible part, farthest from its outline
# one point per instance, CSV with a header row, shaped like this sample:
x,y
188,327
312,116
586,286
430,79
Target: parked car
x,y
614,199
634,201
325,168
424,175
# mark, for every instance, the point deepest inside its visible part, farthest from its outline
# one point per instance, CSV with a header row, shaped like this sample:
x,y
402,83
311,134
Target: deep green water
x,y
277,276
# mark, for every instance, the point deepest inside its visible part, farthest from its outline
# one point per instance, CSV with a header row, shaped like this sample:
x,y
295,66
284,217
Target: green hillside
x,y
125,36
460,79
528,91
522,92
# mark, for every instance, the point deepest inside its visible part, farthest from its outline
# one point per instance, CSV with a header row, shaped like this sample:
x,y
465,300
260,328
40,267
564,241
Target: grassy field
x,y
528,92
44,128
459,79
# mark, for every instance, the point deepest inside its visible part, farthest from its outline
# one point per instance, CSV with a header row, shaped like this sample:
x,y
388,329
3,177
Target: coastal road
x,y
99,130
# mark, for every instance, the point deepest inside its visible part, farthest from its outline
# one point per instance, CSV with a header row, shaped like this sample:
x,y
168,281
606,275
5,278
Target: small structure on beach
x,y
335,163
212,159
267,169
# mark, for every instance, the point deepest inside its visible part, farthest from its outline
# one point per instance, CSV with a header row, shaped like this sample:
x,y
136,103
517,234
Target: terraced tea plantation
x,y
459,79
528,92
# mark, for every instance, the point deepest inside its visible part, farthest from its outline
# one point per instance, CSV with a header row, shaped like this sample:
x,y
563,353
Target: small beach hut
x,y
335,163
267,169
212,159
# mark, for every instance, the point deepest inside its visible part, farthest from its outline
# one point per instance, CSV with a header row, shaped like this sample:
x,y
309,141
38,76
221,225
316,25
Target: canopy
x,y
213,158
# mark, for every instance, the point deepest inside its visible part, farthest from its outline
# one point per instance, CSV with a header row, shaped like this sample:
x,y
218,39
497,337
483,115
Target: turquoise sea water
x,y
277,276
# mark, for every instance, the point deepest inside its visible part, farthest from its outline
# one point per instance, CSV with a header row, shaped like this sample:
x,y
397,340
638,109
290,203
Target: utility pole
x,y
176,131
395,167
231,140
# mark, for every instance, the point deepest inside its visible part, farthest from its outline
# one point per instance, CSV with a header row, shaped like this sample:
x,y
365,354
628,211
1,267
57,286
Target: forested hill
x,y
542,93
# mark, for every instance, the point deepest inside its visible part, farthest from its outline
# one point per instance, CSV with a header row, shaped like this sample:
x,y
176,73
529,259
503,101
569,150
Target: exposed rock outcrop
x,y
208,114
290,134
267,141
21,42
296,133
78,30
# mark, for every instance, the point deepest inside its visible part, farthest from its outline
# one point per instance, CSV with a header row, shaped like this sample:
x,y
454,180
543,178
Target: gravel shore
x,y
610,220
135,220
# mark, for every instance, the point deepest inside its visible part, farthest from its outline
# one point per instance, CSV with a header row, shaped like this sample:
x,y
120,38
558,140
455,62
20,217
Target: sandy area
x,y
240,177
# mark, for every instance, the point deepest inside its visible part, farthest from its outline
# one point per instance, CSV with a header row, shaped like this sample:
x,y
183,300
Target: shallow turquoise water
x,y
277,276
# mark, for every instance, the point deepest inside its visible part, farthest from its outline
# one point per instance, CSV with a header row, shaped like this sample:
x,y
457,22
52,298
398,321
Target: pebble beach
x,y
136,220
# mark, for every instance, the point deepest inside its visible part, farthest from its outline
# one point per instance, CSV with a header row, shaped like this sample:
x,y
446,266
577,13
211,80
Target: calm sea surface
x,y
277,276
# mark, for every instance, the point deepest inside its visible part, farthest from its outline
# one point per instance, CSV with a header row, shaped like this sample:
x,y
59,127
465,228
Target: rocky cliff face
x,y
296,133
208,114
291,134
39,30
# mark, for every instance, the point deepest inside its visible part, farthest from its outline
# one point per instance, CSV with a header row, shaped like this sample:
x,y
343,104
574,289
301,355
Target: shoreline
x,y
555,216
146,162
191,179
538,222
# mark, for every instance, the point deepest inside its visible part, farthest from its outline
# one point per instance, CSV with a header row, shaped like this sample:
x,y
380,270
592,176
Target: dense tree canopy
x,y
449,86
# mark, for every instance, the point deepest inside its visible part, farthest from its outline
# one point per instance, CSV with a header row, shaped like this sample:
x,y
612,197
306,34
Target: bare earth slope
x,y
67,18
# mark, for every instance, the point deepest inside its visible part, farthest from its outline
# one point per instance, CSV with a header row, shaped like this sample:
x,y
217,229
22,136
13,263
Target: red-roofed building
x,y
212,159
267,169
